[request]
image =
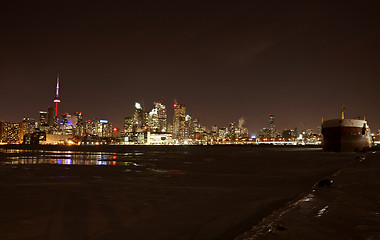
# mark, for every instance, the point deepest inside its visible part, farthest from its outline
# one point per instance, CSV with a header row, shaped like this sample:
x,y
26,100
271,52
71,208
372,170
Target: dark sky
x,y
297,60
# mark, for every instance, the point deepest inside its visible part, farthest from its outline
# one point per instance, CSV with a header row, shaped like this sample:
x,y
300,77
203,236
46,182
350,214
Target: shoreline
x,y
348,209
121,148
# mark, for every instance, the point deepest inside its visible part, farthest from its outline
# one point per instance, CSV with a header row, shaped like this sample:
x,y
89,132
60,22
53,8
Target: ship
x,y
346,135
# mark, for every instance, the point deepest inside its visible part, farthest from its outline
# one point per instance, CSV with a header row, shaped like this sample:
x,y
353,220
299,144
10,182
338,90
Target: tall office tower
x,y
153,120
56,99
196,126
43,118
128,125
79,130
162,117
232,129
89,127
214,130
138,117
43,125
50,113
179,121
27,126
189,130
157,118
103,128
272,126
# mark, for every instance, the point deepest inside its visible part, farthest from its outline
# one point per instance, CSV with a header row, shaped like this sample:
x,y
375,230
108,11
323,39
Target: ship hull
x,y
349,135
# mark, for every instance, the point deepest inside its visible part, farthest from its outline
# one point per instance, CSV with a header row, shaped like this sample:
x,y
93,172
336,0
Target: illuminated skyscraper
x,y
232,129
189,129
100,128
27,126
272,126
179,121
66,126
138,117
128,125
162,116
157,118
79,129
9,132
56,99
153,120
43,124
43,118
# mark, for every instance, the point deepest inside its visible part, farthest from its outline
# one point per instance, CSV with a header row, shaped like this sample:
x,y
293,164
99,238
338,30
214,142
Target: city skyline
x,y
297,60
120,122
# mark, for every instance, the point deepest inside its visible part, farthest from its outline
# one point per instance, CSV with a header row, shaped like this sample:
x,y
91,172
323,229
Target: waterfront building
x,y
9,132
179,121
159,139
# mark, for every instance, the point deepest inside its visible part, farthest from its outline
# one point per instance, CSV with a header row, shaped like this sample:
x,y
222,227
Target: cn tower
x,y
56,99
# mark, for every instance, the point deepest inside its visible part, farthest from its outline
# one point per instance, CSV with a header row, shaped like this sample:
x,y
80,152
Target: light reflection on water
x,y
20,157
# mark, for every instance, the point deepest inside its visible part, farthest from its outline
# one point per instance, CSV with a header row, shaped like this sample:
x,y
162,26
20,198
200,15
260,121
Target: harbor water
x,y
154,192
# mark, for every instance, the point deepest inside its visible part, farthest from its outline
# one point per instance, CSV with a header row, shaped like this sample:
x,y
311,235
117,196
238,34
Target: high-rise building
x,y
232,129
43,123
100,128
79,130
10,132
157,118
153,120
214,131
272,126
162,116
128,125
179,121
66,126
139,117
50,120
189,129
27,127
43,118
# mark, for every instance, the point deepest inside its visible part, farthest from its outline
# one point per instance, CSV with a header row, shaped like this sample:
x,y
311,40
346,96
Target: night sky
x,y
297,60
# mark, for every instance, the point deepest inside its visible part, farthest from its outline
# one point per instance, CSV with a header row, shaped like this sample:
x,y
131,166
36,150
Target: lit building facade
x,y
138,118
128,125
179,121
79,128
10,133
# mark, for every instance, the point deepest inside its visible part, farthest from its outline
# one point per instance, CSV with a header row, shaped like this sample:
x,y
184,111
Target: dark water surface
x,y
165,192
